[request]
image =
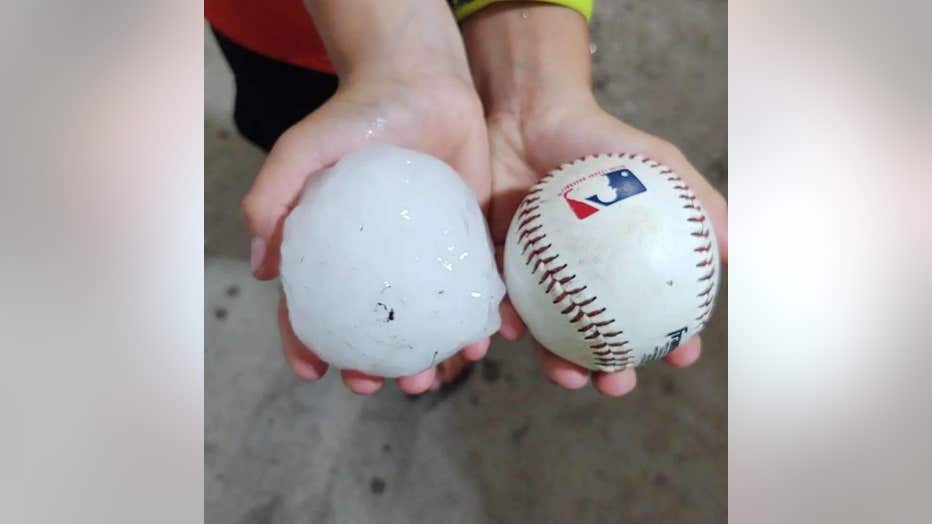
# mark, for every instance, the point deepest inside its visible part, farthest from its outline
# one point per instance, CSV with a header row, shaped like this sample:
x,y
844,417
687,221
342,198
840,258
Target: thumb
x,y
312,144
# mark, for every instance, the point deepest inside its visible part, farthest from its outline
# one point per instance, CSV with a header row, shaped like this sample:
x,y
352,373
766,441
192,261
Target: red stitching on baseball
x,y
550,272
528,221
531,242
588,301
536,265
578,316
528,210
700,219
560,297
528,231
595,313
537,252
569,308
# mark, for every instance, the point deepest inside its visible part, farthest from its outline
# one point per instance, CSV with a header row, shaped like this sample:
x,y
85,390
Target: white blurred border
x,y
102,266
830,146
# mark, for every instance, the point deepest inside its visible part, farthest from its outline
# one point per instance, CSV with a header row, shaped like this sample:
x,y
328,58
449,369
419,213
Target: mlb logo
x,y
595,192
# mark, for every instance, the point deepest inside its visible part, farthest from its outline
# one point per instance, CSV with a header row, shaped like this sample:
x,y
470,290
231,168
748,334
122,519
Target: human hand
x,y
406,83
531,65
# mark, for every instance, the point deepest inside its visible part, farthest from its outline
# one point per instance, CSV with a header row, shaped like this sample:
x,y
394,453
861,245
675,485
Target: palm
x,y
440,116
524,149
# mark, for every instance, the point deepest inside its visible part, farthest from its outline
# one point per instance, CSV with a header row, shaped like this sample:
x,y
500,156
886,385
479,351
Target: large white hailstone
x,y
387,263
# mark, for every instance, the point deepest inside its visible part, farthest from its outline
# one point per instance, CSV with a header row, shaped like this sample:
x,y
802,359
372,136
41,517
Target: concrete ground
x,y
508,446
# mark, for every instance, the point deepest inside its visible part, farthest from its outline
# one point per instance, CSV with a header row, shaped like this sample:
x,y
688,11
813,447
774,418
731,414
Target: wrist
x,y
369,39
526,56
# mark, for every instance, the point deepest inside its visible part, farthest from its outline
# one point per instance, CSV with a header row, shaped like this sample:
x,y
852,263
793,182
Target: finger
x,y
476,350
309,146
512,326
417,384
686,354
303,362
615,384
361,383
450,368
563,372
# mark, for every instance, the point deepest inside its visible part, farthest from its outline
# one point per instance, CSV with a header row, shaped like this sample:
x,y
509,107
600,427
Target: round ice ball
x,y
387,263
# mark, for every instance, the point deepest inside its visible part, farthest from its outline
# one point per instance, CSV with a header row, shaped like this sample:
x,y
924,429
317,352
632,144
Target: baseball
x,y
612,262
387,263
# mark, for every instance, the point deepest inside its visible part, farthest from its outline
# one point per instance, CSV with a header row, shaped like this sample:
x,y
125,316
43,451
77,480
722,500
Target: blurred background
x,y
507,446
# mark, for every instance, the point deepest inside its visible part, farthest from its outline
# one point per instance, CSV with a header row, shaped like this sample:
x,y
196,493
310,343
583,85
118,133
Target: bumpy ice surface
x,y
387,263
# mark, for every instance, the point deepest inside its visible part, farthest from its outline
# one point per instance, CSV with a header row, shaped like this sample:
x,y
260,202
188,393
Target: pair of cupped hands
x,y
518,107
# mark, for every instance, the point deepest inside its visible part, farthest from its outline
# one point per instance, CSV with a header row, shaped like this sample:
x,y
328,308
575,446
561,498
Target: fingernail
x,y
257,253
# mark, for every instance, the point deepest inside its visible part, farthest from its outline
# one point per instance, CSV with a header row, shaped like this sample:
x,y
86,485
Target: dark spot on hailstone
x,y
390,311
377,485
220,313
232,291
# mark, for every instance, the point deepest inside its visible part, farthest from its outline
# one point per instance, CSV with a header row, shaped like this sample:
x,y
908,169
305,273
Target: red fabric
x,y
279,29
